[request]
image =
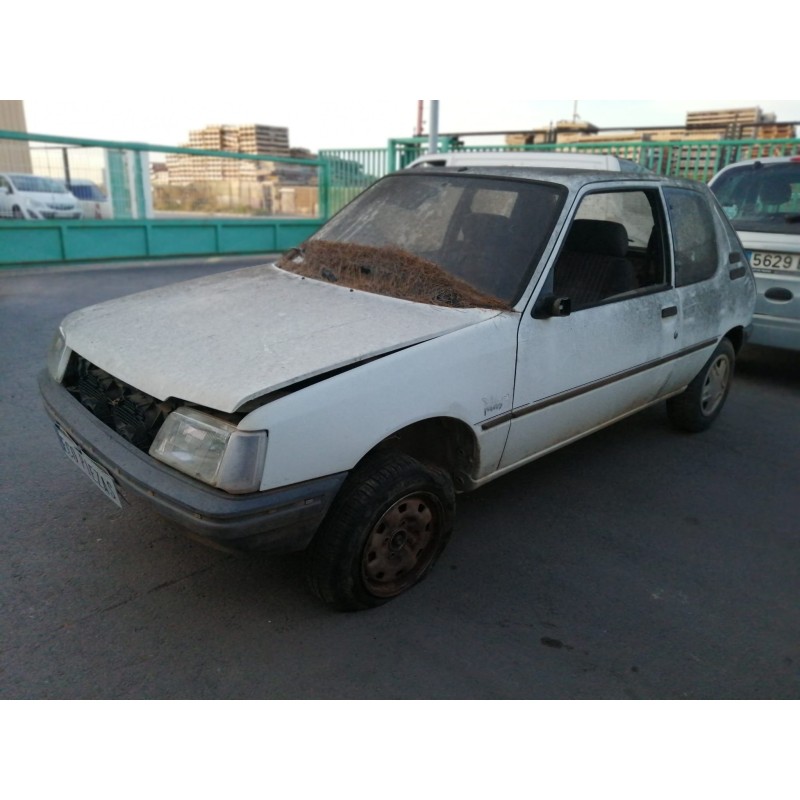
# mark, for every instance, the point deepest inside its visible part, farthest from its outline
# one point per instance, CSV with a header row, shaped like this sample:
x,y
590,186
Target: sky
x,y
331,123
349,74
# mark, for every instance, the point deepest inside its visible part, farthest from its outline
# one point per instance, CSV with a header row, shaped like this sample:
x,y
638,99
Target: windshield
x,y
761,197
458,240
87,191
34,183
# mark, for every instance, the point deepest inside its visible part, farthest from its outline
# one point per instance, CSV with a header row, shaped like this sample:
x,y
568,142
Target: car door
x,y
598,338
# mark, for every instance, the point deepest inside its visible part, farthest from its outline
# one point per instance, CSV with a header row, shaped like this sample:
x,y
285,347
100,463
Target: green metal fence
x,y
147,201
697,160
151,217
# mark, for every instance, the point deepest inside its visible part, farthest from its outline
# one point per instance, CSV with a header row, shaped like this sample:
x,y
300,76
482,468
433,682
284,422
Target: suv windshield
x,y
761,197
458,240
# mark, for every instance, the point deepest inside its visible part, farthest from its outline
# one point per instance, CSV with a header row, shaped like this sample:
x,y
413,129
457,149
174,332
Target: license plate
x,y
99,476
775,262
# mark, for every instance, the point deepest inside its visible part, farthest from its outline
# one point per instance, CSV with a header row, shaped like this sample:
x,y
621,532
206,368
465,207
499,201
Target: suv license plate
x,y
775,262
99,476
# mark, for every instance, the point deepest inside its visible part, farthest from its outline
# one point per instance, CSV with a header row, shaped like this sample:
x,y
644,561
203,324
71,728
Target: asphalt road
x,y
637,563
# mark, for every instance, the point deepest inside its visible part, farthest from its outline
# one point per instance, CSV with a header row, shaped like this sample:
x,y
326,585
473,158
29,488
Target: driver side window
x,y
614,249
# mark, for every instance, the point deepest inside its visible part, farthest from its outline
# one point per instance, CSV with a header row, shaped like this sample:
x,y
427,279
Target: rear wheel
x,y
385,530
696,408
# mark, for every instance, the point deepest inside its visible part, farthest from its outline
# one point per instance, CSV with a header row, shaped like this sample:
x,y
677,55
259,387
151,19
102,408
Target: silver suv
x,y
761,197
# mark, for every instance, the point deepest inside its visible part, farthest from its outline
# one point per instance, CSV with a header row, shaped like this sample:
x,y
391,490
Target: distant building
x,y
217,182
731,123
262,140
14,156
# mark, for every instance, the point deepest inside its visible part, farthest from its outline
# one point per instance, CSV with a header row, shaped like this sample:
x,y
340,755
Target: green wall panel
x,y
23,244
104,241
247,238
176,240
26,242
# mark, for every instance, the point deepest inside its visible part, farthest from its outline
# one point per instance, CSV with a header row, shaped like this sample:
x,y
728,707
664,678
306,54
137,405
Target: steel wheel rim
x,y
401,544
715,385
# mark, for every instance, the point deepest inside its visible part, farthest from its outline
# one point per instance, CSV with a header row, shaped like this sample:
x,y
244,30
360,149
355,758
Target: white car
x,y
761,197
25,196
444,328
94,203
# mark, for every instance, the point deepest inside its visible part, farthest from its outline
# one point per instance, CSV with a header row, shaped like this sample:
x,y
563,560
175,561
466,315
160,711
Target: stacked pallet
x,y
738,123
725,118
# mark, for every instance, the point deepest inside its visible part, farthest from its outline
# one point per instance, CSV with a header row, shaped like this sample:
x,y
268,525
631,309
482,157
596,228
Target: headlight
x,y
58,356
212,450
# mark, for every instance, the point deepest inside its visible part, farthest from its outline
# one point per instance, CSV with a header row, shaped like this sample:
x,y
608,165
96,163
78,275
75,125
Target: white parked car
x,y
446,327
761,197
25,196
94,203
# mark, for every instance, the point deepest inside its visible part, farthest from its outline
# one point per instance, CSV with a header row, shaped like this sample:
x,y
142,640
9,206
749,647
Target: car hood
x,y
225,339
54,198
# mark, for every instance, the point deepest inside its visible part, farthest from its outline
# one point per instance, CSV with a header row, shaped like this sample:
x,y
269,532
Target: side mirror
x,y
551,306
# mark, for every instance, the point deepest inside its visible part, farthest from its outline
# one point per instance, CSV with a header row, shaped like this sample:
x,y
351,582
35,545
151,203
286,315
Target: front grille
x,y
132,414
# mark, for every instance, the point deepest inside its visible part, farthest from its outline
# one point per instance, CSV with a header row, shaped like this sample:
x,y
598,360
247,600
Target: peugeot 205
x,y
444,328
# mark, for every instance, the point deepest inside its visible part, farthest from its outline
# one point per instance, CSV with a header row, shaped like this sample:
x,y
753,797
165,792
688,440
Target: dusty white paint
x,y
225,339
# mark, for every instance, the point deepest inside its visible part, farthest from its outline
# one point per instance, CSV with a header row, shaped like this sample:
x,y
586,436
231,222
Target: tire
x,y
699,405
383,533
17,213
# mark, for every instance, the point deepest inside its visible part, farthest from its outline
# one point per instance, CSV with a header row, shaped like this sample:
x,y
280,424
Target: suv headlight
x,y
212,450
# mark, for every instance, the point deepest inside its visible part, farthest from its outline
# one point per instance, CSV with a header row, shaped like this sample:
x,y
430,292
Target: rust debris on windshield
x,y
385,270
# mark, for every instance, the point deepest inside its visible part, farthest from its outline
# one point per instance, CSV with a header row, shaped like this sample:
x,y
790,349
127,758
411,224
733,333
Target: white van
x,y
516,158
24,196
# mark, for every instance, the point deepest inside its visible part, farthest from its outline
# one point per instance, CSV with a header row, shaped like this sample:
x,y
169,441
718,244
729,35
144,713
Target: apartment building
x,y
254,139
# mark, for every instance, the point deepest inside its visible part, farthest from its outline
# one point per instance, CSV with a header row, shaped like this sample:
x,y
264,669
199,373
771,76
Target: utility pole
x,y
420,123
433,140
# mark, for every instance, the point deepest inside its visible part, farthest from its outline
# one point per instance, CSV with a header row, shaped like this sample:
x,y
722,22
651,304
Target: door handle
x,y
669,311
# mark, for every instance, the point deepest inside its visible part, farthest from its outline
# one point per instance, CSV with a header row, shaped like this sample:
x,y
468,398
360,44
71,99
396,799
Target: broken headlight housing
x,y
211,450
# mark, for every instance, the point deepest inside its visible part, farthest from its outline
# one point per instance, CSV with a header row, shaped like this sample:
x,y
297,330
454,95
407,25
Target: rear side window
x,y
694,236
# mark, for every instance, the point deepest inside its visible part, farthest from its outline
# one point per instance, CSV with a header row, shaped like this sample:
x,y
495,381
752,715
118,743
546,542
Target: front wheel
x,y
699,405
383,533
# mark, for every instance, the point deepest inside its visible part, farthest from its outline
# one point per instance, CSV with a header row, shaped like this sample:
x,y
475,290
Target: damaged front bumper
x,y
278,520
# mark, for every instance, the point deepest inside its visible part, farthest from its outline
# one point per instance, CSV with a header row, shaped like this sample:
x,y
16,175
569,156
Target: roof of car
x,y
571,177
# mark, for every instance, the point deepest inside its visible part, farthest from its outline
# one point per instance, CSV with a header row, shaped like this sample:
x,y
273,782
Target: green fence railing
x,y
149,201
206,215
698,160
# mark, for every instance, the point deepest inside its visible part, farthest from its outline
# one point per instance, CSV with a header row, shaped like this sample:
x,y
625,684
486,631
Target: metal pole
x,y
65,161
433,140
